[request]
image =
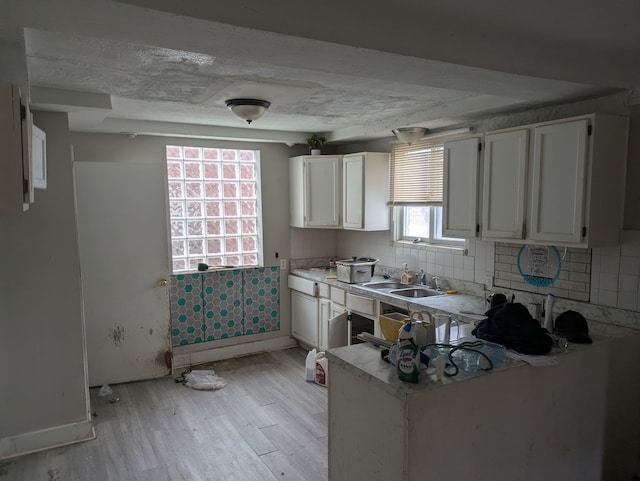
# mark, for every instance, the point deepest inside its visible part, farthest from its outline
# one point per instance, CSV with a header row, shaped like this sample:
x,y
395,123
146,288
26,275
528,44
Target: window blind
x,y
416,173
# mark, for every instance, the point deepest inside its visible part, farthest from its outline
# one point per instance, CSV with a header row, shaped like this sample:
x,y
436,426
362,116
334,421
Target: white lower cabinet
x,y
304,318
333,326
313,321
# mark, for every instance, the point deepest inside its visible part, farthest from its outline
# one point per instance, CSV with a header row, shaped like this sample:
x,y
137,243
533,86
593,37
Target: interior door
x,y
125,266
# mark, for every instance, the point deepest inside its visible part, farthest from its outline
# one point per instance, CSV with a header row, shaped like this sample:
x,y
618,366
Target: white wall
x,y
43,382
274,162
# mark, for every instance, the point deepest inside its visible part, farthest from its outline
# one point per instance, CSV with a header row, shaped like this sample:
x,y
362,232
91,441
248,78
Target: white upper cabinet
x,y
578,181
365,188
504,185
556,183
552,183
315,189
559,167
460,189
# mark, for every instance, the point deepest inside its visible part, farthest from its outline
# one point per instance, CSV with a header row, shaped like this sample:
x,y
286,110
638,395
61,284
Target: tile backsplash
x,y
573,281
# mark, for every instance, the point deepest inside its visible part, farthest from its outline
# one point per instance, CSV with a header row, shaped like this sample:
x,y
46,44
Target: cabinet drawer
x,y
361,304
338,295
323,290
300,284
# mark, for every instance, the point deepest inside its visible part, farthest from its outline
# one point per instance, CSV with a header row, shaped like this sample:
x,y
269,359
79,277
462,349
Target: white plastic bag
x,y
310,366
105,391
204,380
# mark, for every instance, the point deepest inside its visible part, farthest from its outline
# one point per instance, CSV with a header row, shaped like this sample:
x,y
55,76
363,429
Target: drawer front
x,y
361,304
338,295
300,284
323,290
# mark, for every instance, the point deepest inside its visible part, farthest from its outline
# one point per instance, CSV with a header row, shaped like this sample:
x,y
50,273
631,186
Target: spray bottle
x,y
548,312
408,360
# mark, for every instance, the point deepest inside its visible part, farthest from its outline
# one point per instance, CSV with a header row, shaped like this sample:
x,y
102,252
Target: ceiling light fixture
x,y
409,135
248,109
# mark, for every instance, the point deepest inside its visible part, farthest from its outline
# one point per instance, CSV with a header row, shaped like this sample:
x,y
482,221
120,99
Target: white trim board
x,y
184,357
53,437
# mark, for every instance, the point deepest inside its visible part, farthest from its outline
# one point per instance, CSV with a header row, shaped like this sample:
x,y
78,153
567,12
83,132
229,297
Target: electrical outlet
x,y
488,282
284,264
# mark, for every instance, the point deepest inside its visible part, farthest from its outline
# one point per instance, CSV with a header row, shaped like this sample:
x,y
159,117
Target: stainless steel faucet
x,y
436,283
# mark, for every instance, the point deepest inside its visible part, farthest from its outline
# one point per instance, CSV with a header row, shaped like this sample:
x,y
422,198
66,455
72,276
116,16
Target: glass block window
x,y
214,207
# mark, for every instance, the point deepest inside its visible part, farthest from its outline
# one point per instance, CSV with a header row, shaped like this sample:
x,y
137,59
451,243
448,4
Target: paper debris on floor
x,y
204,380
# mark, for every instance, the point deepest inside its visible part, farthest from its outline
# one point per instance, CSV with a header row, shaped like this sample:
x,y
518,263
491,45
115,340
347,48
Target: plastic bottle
x,y
322,369
548,312
310,366
408,360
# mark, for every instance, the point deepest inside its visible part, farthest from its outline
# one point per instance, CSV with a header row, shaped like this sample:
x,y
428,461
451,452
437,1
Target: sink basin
x,y
416,292
384,285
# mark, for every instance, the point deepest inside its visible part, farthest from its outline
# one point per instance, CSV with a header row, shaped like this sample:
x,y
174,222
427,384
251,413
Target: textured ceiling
x,y
167,67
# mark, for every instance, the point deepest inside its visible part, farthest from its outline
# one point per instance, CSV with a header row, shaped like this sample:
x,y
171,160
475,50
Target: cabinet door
x,y
337,331
324,314
460,189
504,185
333,326
322,184
353,192
304,318
558,183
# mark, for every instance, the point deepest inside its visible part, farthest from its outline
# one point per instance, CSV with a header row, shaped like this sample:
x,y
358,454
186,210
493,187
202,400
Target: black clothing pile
x,y
511,325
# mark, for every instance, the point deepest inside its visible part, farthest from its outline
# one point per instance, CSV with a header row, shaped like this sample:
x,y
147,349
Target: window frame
x,y
432,238
410,186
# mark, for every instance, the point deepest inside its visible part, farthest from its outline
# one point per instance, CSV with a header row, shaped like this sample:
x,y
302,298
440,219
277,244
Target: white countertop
x,y
460,305
364,360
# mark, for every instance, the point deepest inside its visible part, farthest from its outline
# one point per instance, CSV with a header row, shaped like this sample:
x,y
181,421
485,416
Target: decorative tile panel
x,y
222,294
261,292
186,309
208,306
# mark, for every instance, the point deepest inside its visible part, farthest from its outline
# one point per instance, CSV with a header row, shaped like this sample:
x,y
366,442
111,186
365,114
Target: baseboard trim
x,y
54,437
183,358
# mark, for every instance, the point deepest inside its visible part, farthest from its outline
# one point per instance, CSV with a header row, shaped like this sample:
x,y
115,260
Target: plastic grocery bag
x,y
310,366
204,380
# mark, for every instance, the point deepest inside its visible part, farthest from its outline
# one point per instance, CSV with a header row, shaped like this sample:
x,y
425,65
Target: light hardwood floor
x,y
266,424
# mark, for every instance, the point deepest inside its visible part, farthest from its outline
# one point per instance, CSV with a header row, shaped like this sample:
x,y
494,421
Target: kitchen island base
x,y
576,420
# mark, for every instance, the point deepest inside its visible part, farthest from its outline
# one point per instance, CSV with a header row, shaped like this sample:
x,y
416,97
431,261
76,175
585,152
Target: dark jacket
x,y
511,325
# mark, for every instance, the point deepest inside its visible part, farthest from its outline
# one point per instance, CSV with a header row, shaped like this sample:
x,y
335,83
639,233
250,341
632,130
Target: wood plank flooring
x,y
266,424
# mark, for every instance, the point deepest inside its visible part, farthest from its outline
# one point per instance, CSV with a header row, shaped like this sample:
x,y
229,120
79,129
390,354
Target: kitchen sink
x,y
384,285
416,292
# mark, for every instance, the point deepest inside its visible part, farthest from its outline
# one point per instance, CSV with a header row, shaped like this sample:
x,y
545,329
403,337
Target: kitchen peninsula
x,y
575,420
